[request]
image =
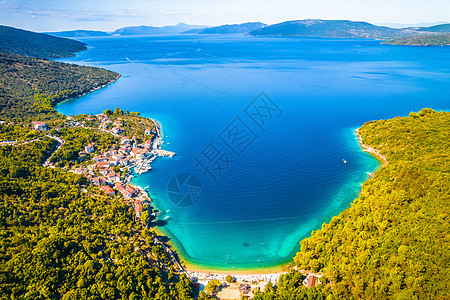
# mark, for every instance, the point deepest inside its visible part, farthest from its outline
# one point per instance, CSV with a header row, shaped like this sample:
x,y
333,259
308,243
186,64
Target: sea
x,y
263,131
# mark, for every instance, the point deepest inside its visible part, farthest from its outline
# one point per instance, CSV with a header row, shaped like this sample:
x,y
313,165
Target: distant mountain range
x,y
78,33
151,30
23,42
307,28
230,29
336,29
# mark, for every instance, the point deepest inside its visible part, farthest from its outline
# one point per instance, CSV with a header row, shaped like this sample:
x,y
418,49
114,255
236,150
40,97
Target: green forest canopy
x,y
29,86
23,42
62,239
393,242
422,40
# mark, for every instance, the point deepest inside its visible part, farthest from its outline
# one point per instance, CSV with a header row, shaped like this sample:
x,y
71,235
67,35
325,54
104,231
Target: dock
x,y
163,153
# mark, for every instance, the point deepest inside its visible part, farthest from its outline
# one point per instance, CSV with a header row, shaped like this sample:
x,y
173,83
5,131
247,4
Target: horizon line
x,y
386,24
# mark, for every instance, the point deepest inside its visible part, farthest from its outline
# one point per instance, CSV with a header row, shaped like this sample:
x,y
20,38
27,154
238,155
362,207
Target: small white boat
x,y
166,217
344,161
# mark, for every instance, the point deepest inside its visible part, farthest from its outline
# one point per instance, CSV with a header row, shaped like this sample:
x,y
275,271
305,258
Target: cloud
x,y
90,19
39,13
49,15
7,5
78,15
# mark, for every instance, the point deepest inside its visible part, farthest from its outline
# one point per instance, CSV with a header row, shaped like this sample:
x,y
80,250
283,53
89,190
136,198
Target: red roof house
x,y
108,190
138,209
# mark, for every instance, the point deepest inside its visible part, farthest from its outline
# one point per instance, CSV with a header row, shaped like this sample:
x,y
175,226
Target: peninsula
x,y
422,40
24,42
63,231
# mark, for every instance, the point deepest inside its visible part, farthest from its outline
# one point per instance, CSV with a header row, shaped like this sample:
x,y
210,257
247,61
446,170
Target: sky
x,y
108,15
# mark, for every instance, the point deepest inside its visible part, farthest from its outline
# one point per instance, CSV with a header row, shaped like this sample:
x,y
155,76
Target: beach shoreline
x,y
192,267
204,274
235,273
177,247
370,149
204,271
76,96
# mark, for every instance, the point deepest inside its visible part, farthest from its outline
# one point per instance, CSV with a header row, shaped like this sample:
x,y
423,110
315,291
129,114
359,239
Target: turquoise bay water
x,y
291,177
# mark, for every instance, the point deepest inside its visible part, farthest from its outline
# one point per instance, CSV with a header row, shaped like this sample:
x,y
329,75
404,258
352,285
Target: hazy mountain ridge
x,y
149,30
334,29
78,33
233,28
310,28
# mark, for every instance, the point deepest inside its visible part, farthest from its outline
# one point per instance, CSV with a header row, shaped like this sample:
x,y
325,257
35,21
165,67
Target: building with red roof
x,y
132,190
310,281
108,190
122,190
138,209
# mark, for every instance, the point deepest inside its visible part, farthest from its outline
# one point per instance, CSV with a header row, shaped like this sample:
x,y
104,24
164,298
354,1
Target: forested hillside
x,y
60,238
422,40
332,29
29,87
393,243
23,42
233,28
442,28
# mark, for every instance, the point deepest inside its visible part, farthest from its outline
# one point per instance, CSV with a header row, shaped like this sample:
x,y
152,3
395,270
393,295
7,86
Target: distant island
x,y
152,30
422,40
23,42
230,29
79,33
295,28
336,29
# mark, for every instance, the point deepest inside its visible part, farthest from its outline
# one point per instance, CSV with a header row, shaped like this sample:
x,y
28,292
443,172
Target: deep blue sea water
x,y
285,178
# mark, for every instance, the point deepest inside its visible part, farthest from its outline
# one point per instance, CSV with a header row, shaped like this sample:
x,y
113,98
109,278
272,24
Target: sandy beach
x,y
272,277
205,270
270,273
370,149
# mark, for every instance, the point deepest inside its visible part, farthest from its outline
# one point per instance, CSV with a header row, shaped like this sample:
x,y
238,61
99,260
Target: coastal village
x,y
112,170
245,285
